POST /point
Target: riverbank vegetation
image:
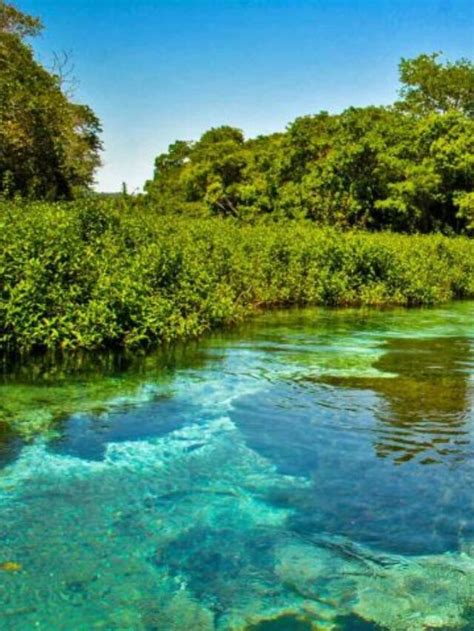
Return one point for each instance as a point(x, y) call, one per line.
point(92, 275)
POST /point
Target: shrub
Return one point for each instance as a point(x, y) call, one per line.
point(95, 274)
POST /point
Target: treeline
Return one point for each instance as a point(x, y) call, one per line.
point(407, 167)
point(96, 275)
point(49, 145)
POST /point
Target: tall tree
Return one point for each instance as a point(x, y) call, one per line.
point(49, 145)
point(408, 167)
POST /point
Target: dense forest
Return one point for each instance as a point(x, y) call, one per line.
point(408, 167)
point(227, 225)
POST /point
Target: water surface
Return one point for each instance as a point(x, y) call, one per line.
point(312, 470)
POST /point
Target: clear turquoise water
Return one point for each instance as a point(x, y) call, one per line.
point(312, 470)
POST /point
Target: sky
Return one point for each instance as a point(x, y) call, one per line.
point(155, 71)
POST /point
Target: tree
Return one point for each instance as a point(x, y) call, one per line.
point(16, 23)
point(430, 86)
point(201, 175)
point(49, 145)
point(407, 167)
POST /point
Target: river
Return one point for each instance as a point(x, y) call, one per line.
point(311, 469)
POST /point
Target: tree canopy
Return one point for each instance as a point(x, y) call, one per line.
point(407, 167)
point(49, 145)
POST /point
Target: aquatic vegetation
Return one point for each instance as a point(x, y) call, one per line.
point(10, 566)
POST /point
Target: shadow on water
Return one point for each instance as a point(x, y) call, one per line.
point(292, 623)
point(425, 406)
point(283, 623)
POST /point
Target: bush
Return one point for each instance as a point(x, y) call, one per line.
point(95, 274)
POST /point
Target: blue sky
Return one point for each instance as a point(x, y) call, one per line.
point(158, 70)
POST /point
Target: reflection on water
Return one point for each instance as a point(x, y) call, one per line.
point(234, 485)
point(81, 400)
point(426, 405)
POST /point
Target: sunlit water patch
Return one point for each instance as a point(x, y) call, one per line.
point(313, 470)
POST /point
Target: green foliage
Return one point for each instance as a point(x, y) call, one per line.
point(49, 146)
point(429, 86)
point(100, 273)
point(407, 167)
point(16, 23)
point(465, 203)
